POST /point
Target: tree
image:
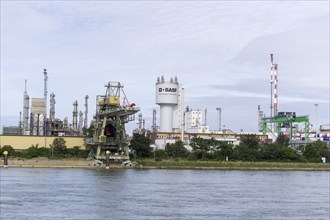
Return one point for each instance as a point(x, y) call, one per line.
point(141, 144)
point(313, 152)
point(176, 150)
point(58, 147)
point(250, 141)
point(249, 148)
point(223, 150)
point(270, 152)
point(200, 147)
point(289, 154)
point(244, 153)
point(282, 141)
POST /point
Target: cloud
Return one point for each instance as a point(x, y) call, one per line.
point(218, 50)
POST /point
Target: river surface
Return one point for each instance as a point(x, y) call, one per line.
point(78, 194)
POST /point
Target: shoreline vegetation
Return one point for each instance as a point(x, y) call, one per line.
point(233, 165)
point(170, 164)
point(250, 154)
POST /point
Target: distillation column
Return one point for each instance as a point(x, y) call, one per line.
point(45, 91)
point(52, 107)
point(26, 107)
point(80, 124)
point(75, 117)
point(86, 112)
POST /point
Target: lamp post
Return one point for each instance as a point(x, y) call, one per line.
point(316, 117)
point(219, 118)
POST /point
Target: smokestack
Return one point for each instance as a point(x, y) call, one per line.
point(275, 89)
point(271, 85)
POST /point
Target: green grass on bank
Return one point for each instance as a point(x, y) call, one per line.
point(231, 164)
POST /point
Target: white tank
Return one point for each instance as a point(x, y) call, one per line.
point(167, 99)
point(167, 93)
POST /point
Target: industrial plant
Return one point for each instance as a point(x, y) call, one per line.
point(181, 123)
point(36, 122)
point(176, 120)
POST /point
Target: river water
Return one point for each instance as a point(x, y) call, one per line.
point(77, 194)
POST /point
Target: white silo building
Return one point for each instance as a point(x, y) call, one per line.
point(170, 98)
point(194, 119)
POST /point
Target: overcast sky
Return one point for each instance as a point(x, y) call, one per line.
point(219, 50)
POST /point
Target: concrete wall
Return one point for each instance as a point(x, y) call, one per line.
point(24, 142)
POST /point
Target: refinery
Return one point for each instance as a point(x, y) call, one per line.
point(177, 121)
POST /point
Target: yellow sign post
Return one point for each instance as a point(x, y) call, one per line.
point(107, 153)
point(5, 158)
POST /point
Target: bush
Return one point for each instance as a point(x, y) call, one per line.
point(35, 151)
point(314, 152)
point(77, 152)
point(10, 149)
point(159, 154)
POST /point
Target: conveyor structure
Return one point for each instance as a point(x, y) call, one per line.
point(113, 111)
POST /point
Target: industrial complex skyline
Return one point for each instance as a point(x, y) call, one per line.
point(219, 50)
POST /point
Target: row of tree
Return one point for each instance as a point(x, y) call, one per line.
point(57, 149)
point(249, 149)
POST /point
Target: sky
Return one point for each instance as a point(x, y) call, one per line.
point(219, 51)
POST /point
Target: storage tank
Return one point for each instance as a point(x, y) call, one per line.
point(167, 99)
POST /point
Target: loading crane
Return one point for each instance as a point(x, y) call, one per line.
point(113, 111)
point(286, 120)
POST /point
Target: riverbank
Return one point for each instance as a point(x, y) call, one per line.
point(234, 165)
point(54, 163)
point(169, 164)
